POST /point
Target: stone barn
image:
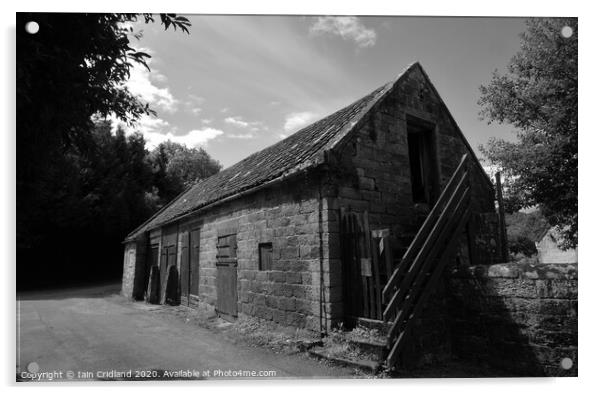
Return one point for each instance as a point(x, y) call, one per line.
point(351, 219)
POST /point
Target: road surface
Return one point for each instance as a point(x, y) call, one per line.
point(93, 334)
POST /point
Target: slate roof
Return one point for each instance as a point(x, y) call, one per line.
point(300, 151)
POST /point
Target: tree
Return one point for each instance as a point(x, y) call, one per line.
point(74, 68)
point(538, 96)
point(177, 167)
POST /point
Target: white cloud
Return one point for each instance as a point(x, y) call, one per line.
point(253, 126)
point(156, 130)
point(241, 136)
point(146, 124)
point(297, 120)
point(236, 121)
point(192, 139)
point(347, 27)
point(141, 84)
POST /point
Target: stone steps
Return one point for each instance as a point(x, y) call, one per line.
point(365, 347)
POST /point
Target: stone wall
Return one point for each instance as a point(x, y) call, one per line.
point(517, 317)
point(134, 260)
point(129, 269)
point(286, 215)
point(371, 172)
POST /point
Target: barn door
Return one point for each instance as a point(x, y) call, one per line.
point(195, 241)
point(185, 269)
point(163, 271)
point(189, 266)
point(364, 271)
point(227, 279)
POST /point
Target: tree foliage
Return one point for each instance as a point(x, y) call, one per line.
point(177, 167)
point(80, 188)
point(538, 96)
point(524, 230)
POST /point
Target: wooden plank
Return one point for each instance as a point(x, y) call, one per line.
point(371, 252)
point(376, 262)
point(403, 336)
point(185, 266)
point(357, 256)
point(421, 277)
point(367, 254)
point(388, 258)
point(423, 232)
point(426, 247)
point(195, 242)
point(502, 217)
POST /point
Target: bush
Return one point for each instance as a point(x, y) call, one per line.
point(522, 245)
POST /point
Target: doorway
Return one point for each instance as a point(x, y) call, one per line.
point(189, 266)
point(424, 169)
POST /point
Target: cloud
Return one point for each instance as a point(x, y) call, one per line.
point(297, 120)
point(194, 102)
point(253, 126)
point(236, 121)
point(156, 130)
point(192, 139)
point(347, 27)
point(241, 136)
point(141, 84)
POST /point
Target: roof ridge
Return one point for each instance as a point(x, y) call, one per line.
point(301, 150)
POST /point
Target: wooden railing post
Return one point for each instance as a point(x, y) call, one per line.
point(435, 243)
point(501, 218)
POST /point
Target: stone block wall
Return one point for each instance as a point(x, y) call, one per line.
point(134, 260)
point(286, 215)
point(129, 269)
point(516, 317)
point(371, 172)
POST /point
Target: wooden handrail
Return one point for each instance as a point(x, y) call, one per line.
point(402, 338)
point(424, 229)
point(429, 247)
point(424, 269)
point(422, 264)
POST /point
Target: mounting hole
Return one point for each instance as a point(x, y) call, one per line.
point(566, 31)
point(32, 27)
point(566, 363)
point(33, 367)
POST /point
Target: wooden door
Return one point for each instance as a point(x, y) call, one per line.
point(163, 271)
point(363, 269)
point(195, 241)
point(185, 269)
point(168, 258)
point(152, 260)
point(227, 277)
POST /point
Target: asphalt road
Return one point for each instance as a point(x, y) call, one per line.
point(94, 334)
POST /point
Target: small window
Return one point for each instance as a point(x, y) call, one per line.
point(265, 256)
point(226, 248)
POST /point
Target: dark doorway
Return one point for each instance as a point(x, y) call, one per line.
point(168, 258)
point(152, 260)
point(423, 162)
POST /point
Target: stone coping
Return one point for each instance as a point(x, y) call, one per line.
point(518, 270)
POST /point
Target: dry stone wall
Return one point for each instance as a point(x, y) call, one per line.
point(518, 317)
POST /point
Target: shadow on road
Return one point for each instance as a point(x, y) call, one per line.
point(76, 291)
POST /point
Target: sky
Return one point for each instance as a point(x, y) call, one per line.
point(238, 84)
